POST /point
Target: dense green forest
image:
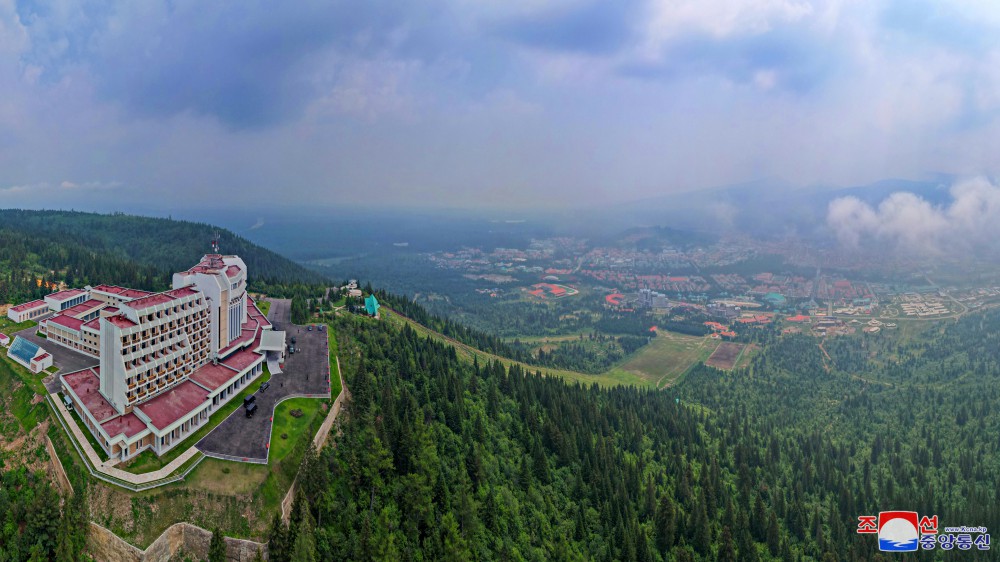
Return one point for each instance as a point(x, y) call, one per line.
point(168, 245)
point(443, 460)
point(33, 525)
point(133, 251)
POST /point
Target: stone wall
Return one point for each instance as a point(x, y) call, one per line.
point(57, 468)
point(189, 539)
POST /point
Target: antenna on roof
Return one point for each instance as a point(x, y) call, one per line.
point(215, 242)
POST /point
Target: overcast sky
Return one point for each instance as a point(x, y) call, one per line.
point(462, 102)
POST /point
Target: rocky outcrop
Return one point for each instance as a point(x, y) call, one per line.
point(189, 539)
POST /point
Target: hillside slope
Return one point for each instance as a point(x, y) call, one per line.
point(83, 248)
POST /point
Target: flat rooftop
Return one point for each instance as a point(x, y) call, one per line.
point(170, 406)
point(242, 359)
point(28, 306)
point(129, 424)
point(212, 376)
point(66, 322)
point(151, 300)
point(66, 295)
point(122, 291)
point(86, 384)
point(84, 307)
point(121, 321)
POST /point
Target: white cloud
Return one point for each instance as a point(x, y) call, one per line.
point(911, 223)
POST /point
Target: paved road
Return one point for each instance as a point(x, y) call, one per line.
point(306, 372)
point(67, 360)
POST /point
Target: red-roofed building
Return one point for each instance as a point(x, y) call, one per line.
point(28, 311)
point(167, 360)
point(69, 298)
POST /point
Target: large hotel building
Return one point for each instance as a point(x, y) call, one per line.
point(167, 360)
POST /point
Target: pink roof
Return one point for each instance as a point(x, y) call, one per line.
point(84, 307)
point(93, 324)
point(112, 309)
point(121, 321)
point(28, 306)
point(4, 337)
point(129, 424)
point(212, 376)
point(232, 270)
point(182, 292)
point(86, 385)
point(65, 295)
point(151, 300)
point(67, 321)
point(122, 291)
point(242, 359)
point(250, 328)
point(40, 357)
point(174, 404)
point(108, 289)
point(256, 314)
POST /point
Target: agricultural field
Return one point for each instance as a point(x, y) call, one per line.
point(725, 356)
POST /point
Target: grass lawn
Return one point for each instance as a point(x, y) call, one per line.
point(148, 463)
point(263, 306)
point(31, 380)
point(8, 326)
point(666, 358)
point(90, 436)
point(287, 424)
point(331, 337)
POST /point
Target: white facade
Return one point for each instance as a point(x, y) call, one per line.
point(222, 279)
point(167, 360)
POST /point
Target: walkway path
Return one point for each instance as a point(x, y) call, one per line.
point(107, 467)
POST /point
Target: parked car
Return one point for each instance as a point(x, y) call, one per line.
point(310, 328)
point(248, 400)
point(265, 386)
point(251, 410)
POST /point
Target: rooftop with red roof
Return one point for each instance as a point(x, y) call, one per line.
point(242, 359)
point(95, 324)
point(172, 405)
point(86, 385)
point(66, 322)
point(182, 292)
point(212, 376)
point(233, 270)
point(28, 306)
point(129, 424)
point(41, 357)
point(121, 322)
point(151, 300)
point(65, 295)
point(248, 333)
point(123, 292)
point(84, 307)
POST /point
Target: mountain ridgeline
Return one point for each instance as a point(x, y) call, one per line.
point(140, 252)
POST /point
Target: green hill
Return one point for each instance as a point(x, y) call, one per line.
point(141, 252)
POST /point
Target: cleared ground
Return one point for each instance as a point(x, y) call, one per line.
point(666, 358)
point(725, 356)
point(658, 364)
